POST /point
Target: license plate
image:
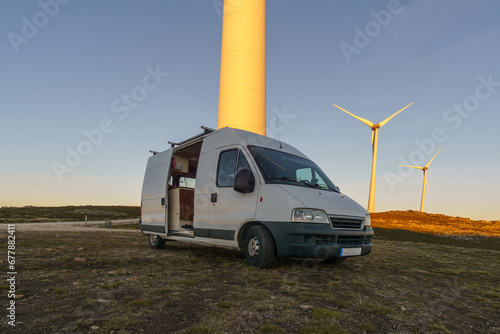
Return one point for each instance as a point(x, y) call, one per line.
point(350, 251)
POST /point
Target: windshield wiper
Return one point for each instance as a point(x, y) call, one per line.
point(336, 190)
point(283, 178)
point(315, 186)
point(286, 178)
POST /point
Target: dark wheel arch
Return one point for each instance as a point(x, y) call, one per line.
point(244, 229)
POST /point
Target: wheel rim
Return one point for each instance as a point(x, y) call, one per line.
point(253, 246)
point(153, 239)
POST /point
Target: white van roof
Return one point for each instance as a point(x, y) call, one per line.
point(231, 136)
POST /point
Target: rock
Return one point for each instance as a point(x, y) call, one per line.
point(94, 327)
point(102, 301)
point(80, 259)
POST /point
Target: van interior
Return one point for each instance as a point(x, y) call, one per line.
point(181, 189)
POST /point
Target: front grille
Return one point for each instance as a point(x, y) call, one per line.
point(349, 240)
point(346, 223)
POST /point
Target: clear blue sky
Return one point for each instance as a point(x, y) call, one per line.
point(67, 67)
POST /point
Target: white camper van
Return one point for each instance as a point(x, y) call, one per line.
point(236, 188)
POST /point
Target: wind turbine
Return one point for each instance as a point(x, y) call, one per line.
point(424, 169)
point(374, 127)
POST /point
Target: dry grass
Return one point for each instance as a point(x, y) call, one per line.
point(126, 287)
point(67, 213)
point(435, 223)
point(102, 282)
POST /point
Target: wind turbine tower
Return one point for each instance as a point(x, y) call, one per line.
point(424, 169)
point(374, 127)
point(242, 90)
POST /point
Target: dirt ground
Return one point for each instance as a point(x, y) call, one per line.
point(109, 281)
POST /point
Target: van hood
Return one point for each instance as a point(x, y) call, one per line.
point(331, 202)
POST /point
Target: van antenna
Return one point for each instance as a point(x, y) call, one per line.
point(278, 127)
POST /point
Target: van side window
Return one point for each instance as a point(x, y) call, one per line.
point(226, 168)
point(230, 163)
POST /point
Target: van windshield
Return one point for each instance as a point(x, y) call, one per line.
point(281, 167)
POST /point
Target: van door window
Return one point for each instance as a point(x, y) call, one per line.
point(226, 168)
point(242, 162)
point(230, 162)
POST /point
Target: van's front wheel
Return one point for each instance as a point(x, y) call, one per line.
point(259, 247)
point(156, 242)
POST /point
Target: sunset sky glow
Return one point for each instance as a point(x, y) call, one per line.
point(88, 88)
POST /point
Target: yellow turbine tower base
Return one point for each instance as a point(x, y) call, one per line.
point(242, 91)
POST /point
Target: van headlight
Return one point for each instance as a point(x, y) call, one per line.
point(309, 216)
point(368, 221)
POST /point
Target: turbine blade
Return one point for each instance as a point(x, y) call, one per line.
point(433, 157)
point(427, 183)
point(373, 136)
point(384, 122)
point(367, 122)
point(417, 167)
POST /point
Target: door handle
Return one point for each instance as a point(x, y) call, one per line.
point(213, 197)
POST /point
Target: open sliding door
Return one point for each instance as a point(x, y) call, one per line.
point(154, 193)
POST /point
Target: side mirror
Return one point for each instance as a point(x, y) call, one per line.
point(244, 181)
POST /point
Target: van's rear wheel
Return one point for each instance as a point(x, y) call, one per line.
point(156, 242)
point(259, 247)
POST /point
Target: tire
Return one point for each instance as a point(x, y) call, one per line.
point(259, 247)
point(335, 261)
point(156, 242)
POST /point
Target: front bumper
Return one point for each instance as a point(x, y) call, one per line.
point(320, 241)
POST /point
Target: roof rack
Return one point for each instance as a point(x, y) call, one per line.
point(206, 131)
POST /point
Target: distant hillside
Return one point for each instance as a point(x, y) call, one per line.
point(434, 223)
point(402, 220)
point(67, 213)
